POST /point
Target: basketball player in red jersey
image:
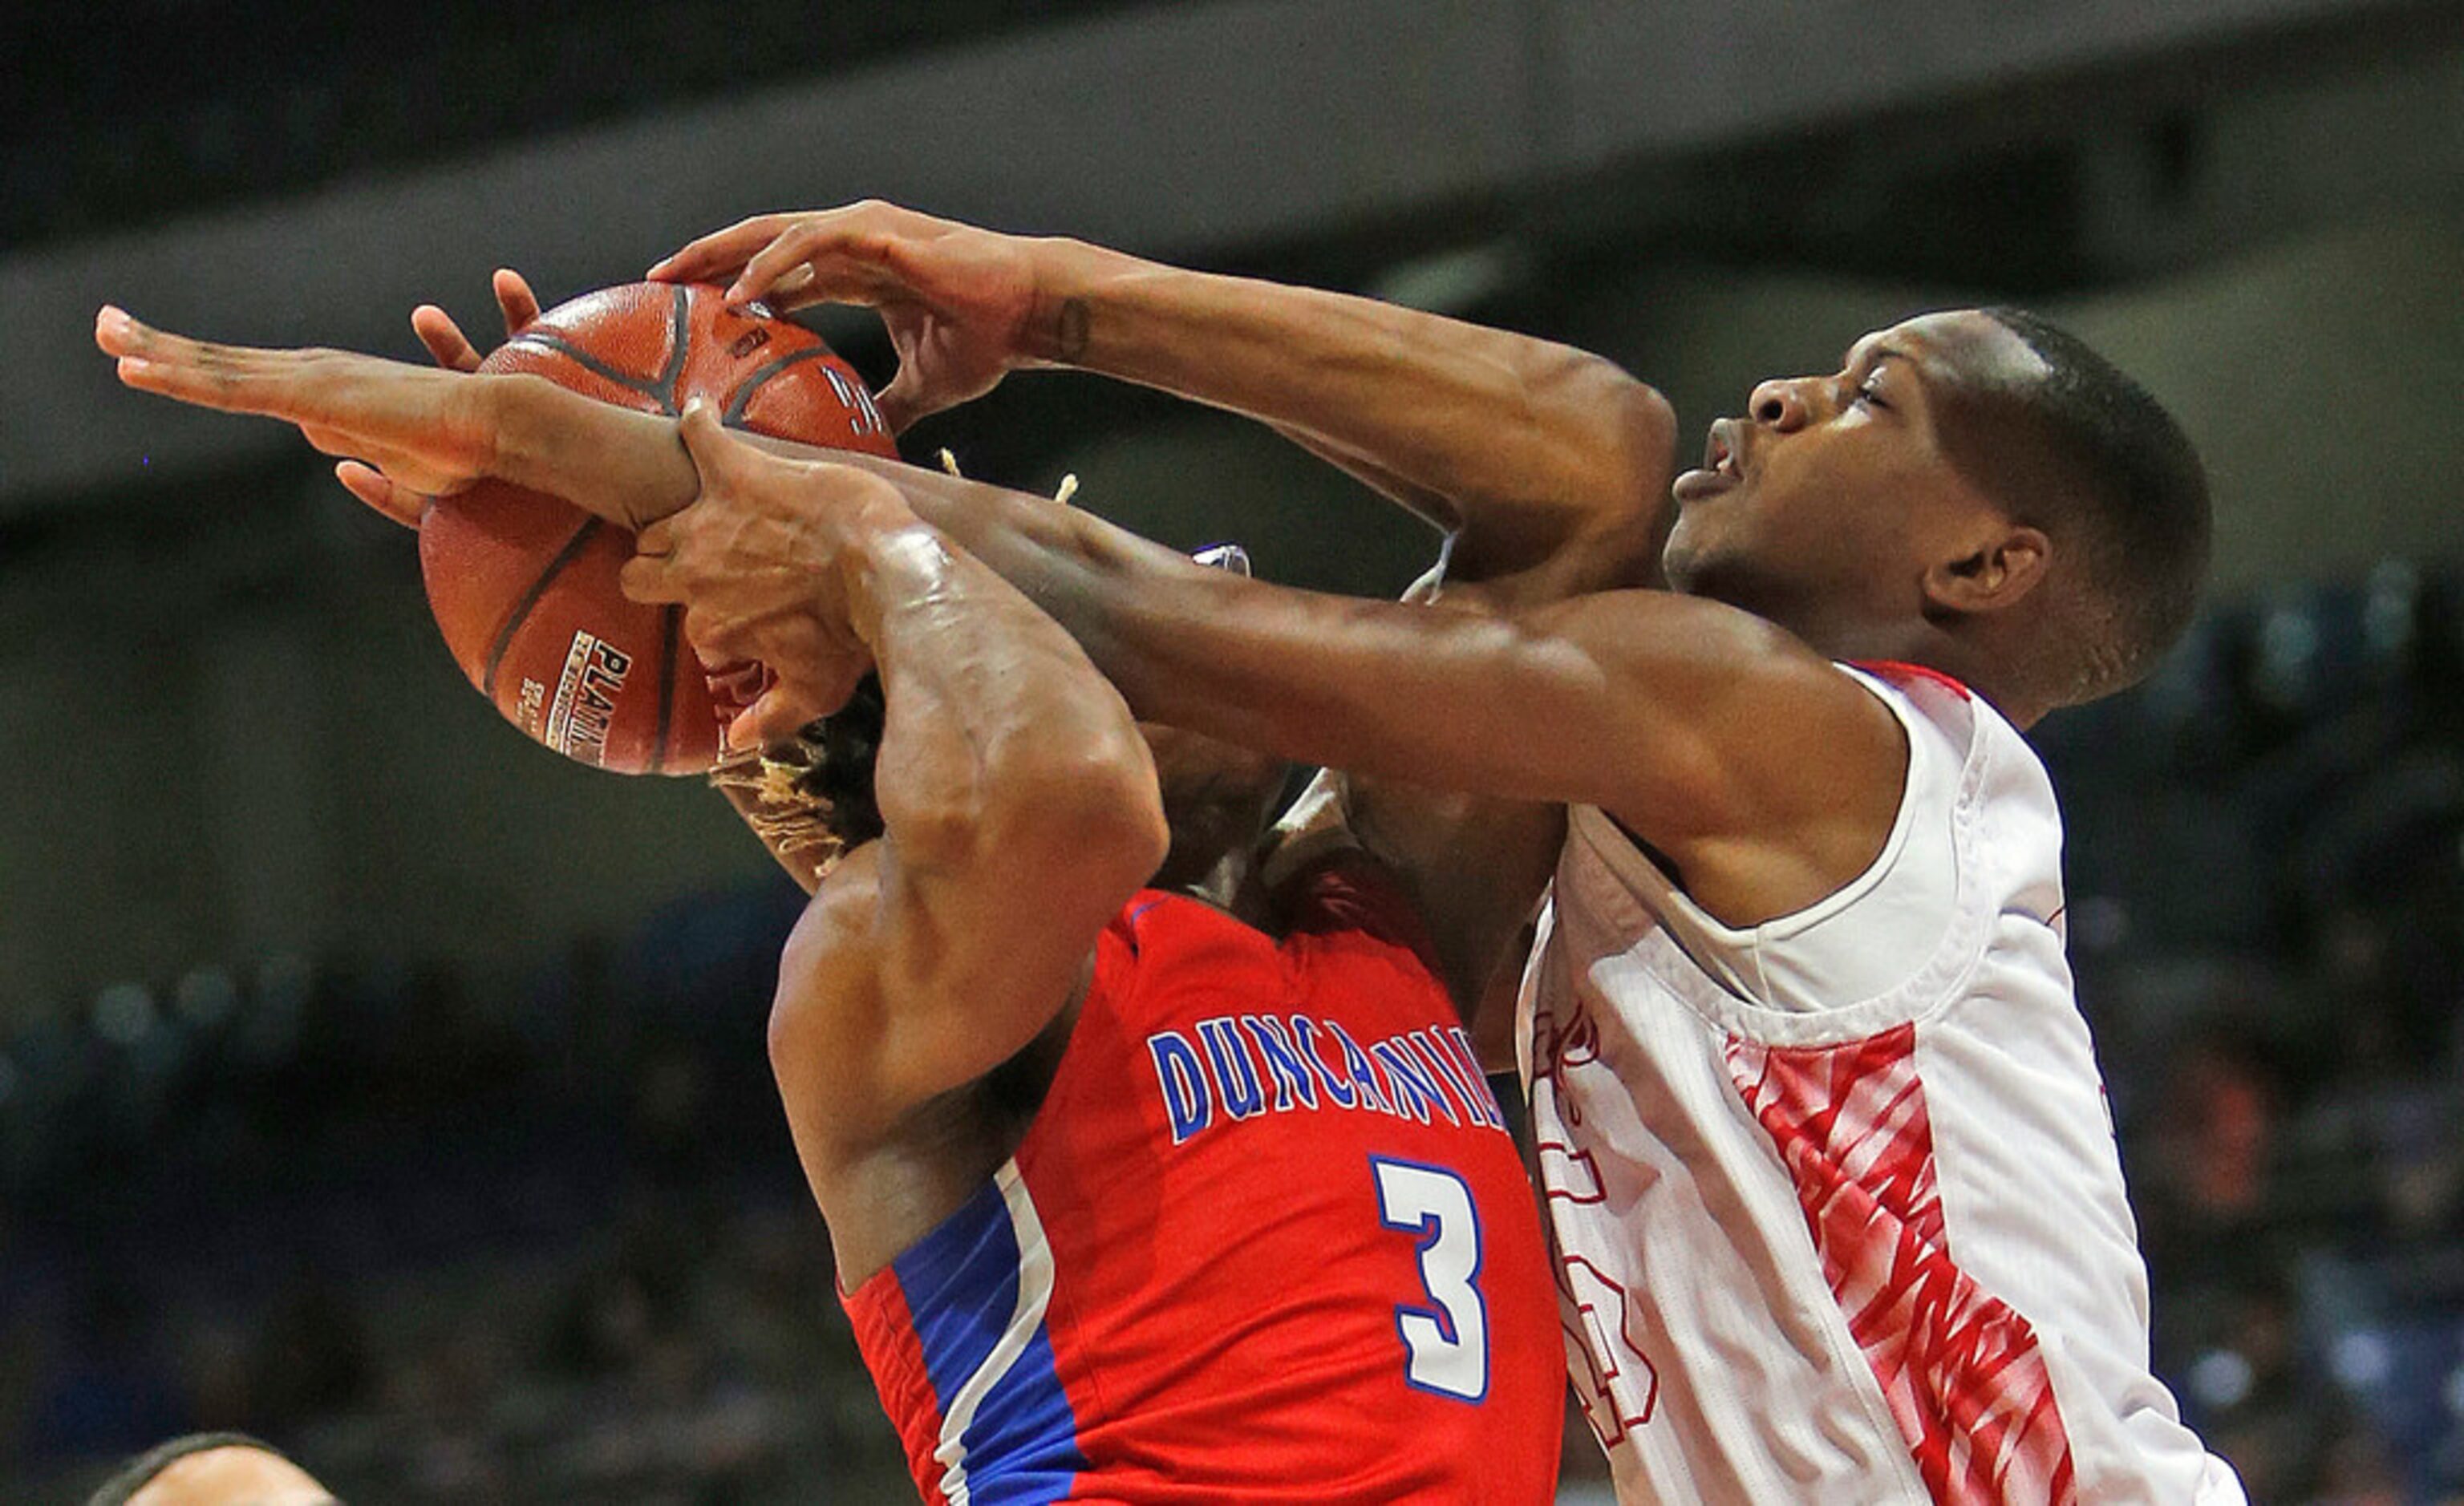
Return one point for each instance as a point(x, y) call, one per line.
point(1075, 1138)
point(1079, 1093)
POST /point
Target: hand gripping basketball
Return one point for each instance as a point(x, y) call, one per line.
point(956, 301)
point(525, 584)
point(759, 563)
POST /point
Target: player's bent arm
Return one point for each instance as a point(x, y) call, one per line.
point(1021, 812)
point(1512, 441)
point(1503, 437)
point(1407, 692)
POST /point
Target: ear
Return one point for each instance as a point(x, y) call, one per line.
point(2005, 565)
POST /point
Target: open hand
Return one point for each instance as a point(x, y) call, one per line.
point(957, 301)
point(431, 431)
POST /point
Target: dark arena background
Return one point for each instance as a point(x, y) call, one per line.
point(375, 1082)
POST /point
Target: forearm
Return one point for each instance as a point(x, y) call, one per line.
point(1020, 812)
point(1515, 441)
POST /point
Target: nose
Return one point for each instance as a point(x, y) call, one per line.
point(1779, 405)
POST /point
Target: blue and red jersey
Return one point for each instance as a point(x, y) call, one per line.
point(1267, 1239)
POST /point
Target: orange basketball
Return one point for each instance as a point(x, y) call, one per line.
point(523, 586)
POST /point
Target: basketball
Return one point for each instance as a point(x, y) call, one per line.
point(523, 586)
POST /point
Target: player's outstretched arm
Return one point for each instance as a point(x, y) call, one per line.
point(1515, 444)
point(1700, 726)
point(1693, 723)
point(1018, 801)
point(425, 431)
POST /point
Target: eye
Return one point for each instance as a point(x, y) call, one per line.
point(1871, 396)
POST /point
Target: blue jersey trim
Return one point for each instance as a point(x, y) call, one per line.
point(963, 1284)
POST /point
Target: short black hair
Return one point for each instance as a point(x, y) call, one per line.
point(2128, 489)
point(142, 1471)
point(842, 749)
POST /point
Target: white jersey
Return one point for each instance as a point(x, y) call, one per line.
point(1837, 1210)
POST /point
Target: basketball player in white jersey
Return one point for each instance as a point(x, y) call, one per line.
point(1837, 1205)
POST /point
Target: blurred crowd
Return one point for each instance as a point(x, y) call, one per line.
point(2266, 878)
point(445, 1242)
point(449, 1239)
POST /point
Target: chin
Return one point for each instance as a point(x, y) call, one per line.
point(1681, 565)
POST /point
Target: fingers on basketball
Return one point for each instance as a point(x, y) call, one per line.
point(381, 492)
point(514, 300)
point(720, 251)
point(447, 345)
point(646, 579)
point(716, 453)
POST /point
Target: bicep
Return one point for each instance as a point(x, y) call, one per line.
point(1680, 716)
point(904, 981)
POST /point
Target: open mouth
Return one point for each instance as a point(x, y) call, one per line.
point(1720, 470)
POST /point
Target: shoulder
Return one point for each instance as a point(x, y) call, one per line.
point(1996, 765)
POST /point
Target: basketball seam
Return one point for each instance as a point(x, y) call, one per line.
point(742, 399)
point(679, 336)
point(649, 388)
point(531, 599)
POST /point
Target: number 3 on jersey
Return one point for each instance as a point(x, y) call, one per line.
point(1446, 1349)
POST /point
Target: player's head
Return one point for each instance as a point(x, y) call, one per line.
point(816, 788)
point(212, 1469)
point(1216, 798)
point(1975, 487)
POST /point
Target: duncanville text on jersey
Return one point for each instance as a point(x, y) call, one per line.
point(1242, 1066)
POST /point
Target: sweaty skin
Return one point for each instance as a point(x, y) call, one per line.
point(1020, 812)
point(1837, 519)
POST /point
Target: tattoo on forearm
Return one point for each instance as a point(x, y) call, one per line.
point(1070, 330)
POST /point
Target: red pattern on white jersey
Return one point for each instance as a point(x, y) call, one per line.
point(1962, 1372)
point(1838, 1214)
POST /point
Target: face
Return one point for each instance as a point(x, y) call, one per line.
point(1823, 506)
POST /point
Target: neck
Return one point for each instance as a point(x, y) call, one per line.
point(1979, 669)
point(1225, 877)
point(1931, 644)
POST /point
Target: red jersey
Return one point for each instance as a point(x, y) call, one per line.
point(1267, 1239)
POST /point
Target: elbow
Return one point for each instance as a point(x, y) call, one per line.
point(1632, 429)
point(1641, 452)
point(1635, 463)
point(1650, 427)
point(1093, 813)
